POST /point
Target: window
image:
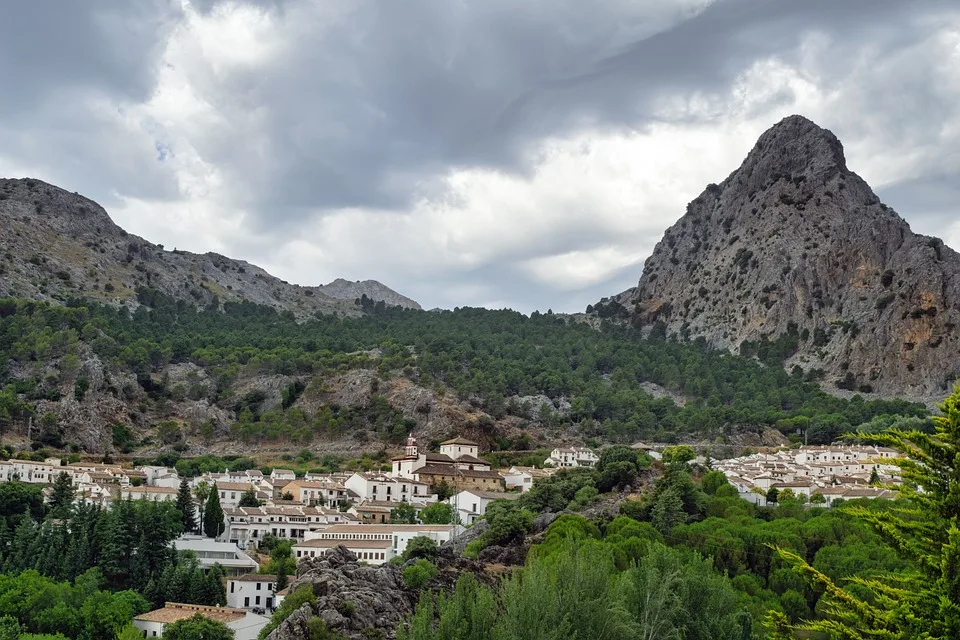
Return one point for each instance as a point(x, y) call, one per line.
point(258, 600)
point(246, 602)
point(232, 585)
point(258, 588)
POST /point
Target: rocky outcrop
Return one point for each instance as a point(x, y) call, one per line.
point(359, 601)
point(345, 290)
point(795, 246)
point(55, 245)
point(354, 600)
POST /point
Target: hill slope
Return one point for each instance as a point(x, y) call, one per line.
point(55, 245)
point(795, 248)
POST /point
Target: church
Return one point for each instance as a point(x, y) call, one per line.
point(457, 466)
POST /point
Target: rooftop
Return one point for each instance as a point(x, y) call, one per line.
point(175, 611)
point(461, 441)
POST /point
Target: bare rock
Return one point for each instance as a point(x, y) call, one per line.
point(795, 243)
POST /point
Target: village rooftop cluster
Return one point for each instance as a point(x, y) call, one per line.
point(320, 512)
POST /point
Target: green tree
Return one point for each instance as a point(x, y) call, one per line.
point(713, 480)
point(924, 603)
point(282, 579)
point(678, 454)
point(249, 499)
point(403, 513)
point(213, 524)
point(61, 494)
point(437, 513)
point(875, 478)
point(667, 511)
point(417, 575)
point(197, 628)
point(186, 506)
point(420, 547)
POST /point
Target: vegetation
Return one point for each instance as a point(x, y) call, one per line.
point(197, 628)
point(921, 599)
point(492, 357)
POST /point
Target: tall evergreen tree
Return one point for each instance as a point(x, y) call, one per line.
point(186, 507)
point(920, 604)
point(213, 524)
point(61, 496)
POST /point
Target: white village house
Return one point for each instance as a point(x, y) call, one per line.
point(571, 457)
point(471, 505)
point(253, 590)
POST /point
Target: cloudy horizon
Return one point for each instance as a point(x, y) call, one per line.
point(464, 153)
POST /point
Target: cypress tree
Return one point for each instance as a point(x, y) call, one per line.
point(213, 524)
point(186, 507)
point(61, 497)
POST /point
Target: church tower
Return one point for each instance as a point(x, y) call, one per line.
point(411, 451)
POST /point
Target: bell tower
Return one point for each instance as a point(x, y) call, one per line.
point(411, 449)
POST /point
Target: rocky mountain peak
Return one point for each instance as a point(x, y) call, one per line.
point(794, 248)
point(56, 245)
point(792, 148)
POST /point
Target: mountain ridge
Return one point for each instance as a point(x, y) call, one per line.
point(794, 248)
point(56, 244)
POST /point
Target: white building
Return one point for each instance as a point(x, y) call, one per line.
point(458, 453)
point(248, 525)
point(326, 492)
point(34, 472)
point(565, 457)
point(282, 476)
point(373, 543)
point(523, 477)
point(157, 494)
point(379, 486)
point(245, 625)
point(253, 590)
point(232, 492)
point(472, 504)
point(210, 552)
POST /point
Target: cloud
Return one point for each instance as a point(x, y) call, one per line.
point(467, 153)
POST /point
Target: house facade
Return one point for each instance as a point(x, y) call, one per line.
point(252, 591)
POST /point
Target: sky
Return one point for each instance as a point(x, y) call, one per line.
point(463, 152)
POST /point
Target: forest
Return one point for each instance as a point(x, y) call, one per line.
point(492, 359)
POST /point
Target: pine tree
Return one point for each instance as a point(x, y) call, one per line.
point(249, 499)
point(924, 603)
point(61, 497)
point(186, 507)
point(213, 524)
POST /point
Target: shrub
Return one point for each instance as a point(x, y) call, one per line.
point(417, 575)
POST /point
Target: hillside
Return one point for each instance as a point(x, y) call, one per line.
point(55, 245)
point(794, 259)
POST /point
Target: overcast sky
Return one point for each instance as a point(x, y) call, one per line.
point(464, 152)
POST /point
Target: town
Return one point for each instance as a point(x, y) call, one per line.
point(376, 515)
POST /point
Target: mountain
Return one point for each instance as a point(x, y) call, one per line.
point(55, 245)
point(793, 258)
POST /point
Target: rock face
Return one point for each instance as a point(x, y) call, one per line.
point(55, 244)
point(793, 245)
point(357, 601)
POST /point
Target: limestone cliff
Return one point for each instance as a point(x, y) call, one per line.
point(794, 245)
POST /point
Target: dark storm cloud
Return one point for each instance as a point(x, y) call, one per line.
point(48, 47)
point(363, 112)
point(358, 105)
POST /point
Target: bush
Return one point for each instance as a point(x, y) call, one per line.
point(417, 575)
